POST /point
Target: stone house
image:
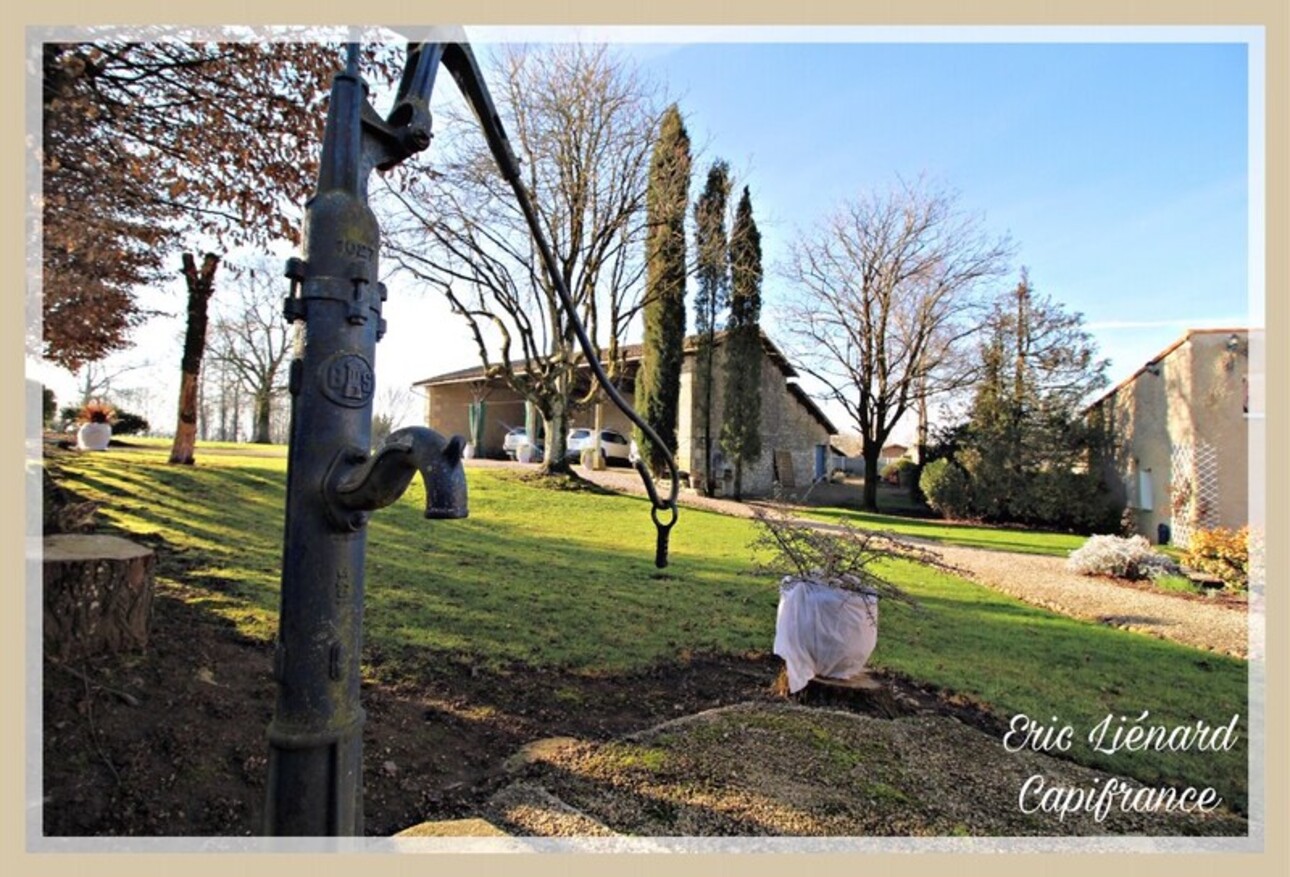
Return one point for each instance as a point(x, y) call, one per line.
point(795, 432)
point(1179, 430)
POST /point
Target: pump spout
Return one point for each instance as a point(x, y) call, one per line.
point(384, 476)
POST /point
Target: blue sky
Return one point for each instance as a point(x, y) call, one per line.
point(1120, 169)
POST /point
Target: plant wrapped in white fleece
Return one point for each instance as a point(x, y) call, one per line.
point(824, 631)
point(827, 623)
point(1123, 557)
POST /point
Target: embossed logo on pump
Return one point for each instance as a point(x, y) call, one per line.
point(347, 379)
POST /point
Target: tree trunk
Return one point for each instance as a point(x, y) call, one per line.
point(707, 483)
point(204, 417)
point(916, 492)
point(557, 439)
point(871, 452)
point(223, 410)
point(200, 286)
point(263, 409)
point(739, 480)
point(598, 421)
point(235, 430)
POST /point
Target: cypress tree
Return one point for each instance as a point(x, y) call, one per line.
point(658, 384)
point(741, 429)
point(711, 298)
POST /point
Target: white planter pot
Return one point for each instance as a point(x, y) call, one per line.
point(469, 452)
point(524, 453)
point(94, 436)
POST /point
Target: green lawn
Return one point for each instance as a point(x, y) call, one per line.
point(971, 535)
point(565, 578)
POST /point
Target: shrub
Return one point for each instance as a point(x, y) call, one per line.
point(48, 406)
point(1122, 557)
point(900, 473)
point(947, 488)
point(1221, 552)
point(1071, 501)
point(128, 423)
point(1178, 584)
point(69, 414)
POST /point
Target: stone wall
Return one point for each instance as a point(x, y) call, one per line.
point(786, 425)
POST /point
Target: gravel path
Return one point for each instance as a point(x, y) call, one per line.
point(1042, 580)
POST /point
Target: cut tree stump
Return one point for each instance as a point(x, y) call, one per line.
point(862, 681)
point(98, 594)
point(861, 692)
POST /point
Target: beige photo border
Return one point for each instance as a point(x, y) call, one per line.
point(1271, 15)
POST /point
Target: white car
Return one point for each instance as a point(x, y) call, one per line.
point(516, 437)
point(614, 446)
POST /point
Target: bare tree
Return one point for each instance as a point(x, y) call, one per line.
point(889, 287)
point(253, 342)
point(201, 286)
point(392, 407)
point(97, 380)
point(221, 402)
point(582, 122)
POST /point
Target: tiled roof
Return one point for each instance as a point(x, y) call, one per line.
point(631, 353)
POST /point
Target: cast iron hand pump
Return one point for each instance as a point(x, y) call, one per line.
point(333, 484)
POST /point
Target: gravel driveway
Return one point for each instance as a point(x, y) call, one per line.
point(1042, 580)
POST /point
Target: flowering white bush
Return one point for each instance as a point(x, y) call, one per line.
point(1125, 558)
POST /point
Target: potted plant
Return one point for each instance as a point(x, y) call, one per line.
point(96, 427)
point(827, 621)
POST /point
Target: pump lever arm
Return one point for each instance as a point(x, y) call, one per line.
point(461, 63)
point(448, 46)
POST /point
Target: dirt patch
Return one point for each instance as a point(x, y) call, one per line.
point(783, 769)
point(171, 741)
